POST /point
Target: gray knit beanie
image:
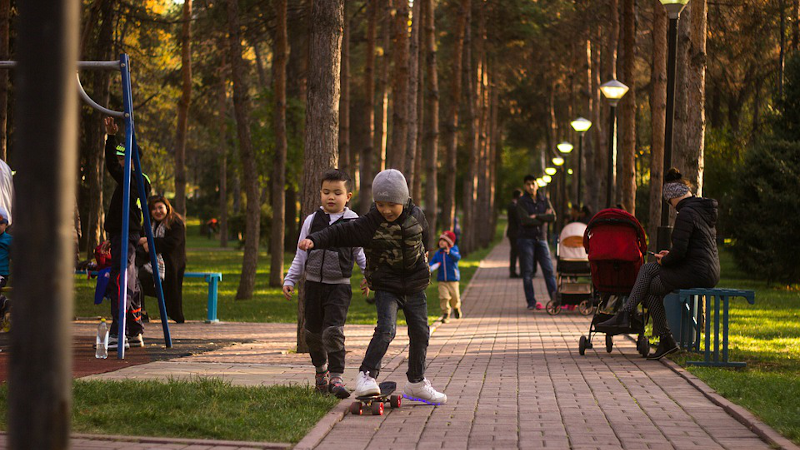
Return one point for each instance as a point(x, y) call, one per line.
point(390, 186)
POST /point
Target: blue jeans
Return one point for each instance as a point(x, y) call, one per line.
point(532, 251)
point(415, 308)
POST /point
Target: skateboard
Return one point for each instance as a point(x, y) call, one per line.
point(374, 403)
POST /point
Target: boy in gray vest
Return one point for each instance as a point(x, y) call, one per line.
point(394, 233)
point(327, 285)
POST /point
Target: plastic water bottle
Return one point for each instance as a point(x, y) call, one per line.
point(101, 351)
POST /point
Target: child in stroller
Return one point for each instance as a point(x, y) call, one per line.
point(616, 245)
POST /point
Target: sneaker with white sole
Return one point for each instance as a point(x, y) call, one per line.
point(136, 341)
point(424, 392)
point(113, 341)
point(366, 385)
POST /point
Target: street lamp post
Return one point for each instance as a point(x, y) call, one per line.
point(580, 125)
point(674, 8)
point(564, 147)
point(613, 91)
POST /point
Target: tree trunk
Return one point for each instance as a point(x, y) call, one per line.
point(322, 110)
point(223, 161)
point(481, 209)
point(367, 152)
point(658, 113)
point(468, 186)
point(692, 160)
point(344, 99)
point(628, 176)
point(279, 167)
point(611, 71)
point(599, 135)
point(183, 108)
point(451, 131)
point(241, 107)
point(431, 143)
point(495, 151)
point(588, 143)
point(380, 138)
point(262, 72)
point(795, 25)
point(5, 24)
point(400, 79)
point(413, 90)
point(680, 128)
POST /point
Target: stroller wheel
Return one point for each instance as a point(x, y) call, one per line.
point(582, 345)
point(553, 308)
point(586, 307)
point(609, 343)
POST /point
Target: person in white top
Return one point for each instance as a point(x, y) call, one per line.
point(6, 190)
point(327, 285)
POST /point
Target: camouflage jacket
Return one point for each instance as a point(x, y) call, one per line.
point(395, 251)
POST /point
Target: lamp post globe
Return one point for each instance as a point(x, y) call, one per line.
point(558, 160)
point(547, 178)
point(564, 147)
point(580, 125)
point(550, 170)
point(674, 7)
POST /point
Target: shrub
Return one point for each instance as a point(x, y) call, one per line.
point(766, 206)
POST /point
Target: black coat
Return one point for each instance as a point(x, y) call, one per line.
point(513, 220)
point(693, 261)
point(172, 248)
point(113, 222)
point(395, 251)
point(533, 228)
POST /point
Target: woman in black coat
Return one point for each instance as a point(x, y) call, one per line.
point(169, 233)
point(691, 262)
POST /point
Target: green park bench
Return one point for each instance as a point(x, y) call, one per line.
point(683, 315)
point(212, 278)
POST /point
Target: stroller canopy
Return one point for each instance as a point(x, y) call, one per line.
point(570, 242)
point(614, 234)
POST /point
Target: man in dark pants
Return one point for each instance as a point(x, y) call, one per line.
point(511, 233)
point(534, 211)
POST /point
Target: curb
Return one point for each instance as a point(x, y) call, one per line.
point(323, 427)
point(739, 413)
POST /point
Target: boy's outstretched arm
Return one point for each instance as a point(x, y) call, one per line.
point(353, 233)
point(298, 263)
point(454, 254)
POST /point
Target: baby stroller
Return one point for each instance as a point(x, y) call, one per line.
point(572, 266)
point(616, 244)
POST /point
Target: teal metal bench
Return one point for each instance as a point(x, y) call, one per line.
point(212, 278)
point(683, 308)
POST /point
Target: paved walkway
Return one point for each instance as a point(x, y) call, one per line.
point(513, 377)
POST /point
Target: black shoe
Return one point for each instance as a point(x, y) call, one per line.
point(513, 275)
point(457, 313)
point(622, 319)
point(665, 347)
point(445, 317)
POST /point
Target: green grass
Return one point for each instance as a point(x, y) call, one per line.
point(268, 303)
point(266, 414)
point(766, 336)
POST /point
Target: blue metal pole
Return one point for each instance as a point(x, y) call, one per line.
point(126, 205)
point(130, 131)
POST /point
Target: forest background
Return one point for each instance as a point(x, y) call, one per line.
point(464, 96)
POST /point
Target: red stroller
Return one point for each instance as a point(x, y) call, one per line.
point(616, 244)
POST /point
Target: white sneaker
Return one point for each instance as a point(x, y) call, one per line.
point(424, 392)
point(113, 342)
point(366, 385)
point(136, 341)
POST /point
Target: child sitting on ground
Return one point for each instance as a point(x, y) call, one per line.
point(327, 285)
point(446, 260)
point(393, 234)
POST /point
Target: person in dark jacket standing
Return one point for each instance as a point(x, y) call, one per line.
point(511, 233)
point(169, 237)
point(691, 262)
point(115, 164)
point(534, 212)
point(393, 235)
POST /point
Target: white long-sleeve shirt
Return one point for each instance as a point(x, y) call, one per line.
point(299, 261)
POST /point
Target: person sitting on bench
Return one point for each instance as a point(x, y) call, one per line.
point(691, 262)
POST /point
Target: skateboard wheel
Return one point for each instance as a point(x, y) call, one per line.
point(377, 408)
point(395, 401)
point(355, 408)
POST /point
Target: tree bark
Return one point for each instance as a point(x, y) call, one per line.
point(468, 186)
point(380, 139)
point(692, 159)
point(413, 94)
point(368, 151)
point(223, 160)
point(627, 178)
point(344, 99)
point(658, 112)
point(5, 25)
point(588, 143)
point(279, 167)
point(322, 110)
point(599, 133)
point(241, 107)
point(451, 130)
point(431, 143)
point(183, 108)
point(610, 61)
point(400, 78)
point(795, 25)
